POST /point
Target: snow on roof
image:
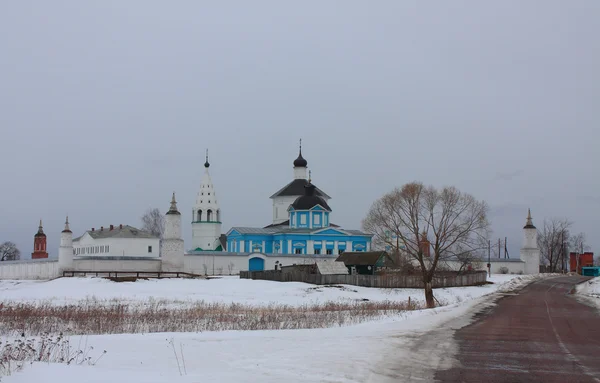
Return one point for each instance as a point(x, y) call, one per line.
point(332, 268)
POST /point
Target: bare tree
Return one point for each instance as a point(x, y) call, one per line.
point(230, 267)
point(552, 240)
point(153, 222)
point(578, 243)
point(9, 252)
point(456, 223)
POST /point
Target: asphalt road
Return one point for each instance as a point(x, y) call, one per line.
point(542, 334)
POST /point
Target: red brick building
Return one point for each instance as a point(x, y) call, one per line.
point(577, 261)
point(39, 244)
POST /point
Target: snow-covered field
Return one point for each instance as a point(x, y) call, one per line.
point(358, 353)
point(225, 290)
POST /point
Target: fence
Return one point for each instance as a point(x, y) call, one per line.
point(130, 274)
point(382, 281)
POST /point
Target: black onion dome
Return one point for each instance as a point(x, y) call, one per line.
point(206, 164)
point(300, 162)
point(309, 199)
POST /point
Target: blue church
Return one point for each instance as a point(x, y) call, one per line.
point(301, 223)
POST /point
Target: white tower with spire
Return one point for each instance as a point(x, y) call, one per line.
point(65, 251)
point(171, 247)
point(206, 221)
point(530, 253)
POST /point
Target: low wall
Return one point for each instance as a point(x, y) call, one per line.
point(216, 263)
point(116, 264)
point(381, 281)
point(514, 266)
point(29, 269)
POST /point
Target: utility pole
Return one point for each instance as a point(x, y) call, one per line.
point(489, 265)
point(505, 248)
point(499, 245)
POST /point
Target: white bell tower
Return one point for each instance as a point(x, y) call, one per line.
point(530, 253)
point(206, 221)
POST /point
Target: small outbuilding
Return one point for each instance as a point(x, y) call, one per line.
point(366, 262)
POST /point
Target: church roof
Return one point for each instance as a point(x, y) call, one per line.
point(365, 258)
point(281, 229)
point(296, 188)
point(286, 224)
point(118, 232)
point(310, 199)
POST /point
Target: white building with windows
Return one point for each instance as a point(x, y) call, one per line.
point(116, 241)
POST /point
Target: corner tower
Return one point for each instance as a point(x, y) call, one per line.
point(530, 253)
point(39, 244)
point(65, 251)
point(171, 247)
point(206, 221)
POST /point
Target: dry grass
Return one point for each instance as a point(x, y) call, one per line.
point(115, 317)
point(14, 354)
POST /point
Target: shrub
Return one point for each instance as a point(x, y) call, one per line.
point(503, 270)
point(51, 349)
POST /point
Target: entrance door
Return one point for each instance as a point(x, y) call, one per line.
point(256, 264)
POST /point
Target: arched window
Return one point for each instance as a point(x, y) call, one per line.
point(199, 215)
point(209, 215)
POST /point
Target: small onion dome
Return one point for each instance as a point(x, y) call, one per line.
point(309, 200)
point(300, 162)
point(206, 164)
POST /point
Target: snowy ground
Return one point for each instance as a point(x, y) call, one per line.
point(225, 290)
point(359, 353)
point(590, 291)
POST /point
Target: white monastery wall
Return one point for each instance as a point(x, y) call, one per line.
point(513, 267)
point(221, 264)
point(115, 264)
point(29, 269)
point(215, 264)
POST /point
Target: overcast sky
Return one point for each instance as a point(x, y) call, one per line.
point(106, 108)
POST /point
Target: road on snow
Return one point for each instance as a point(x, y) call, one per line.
point(541, 334)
